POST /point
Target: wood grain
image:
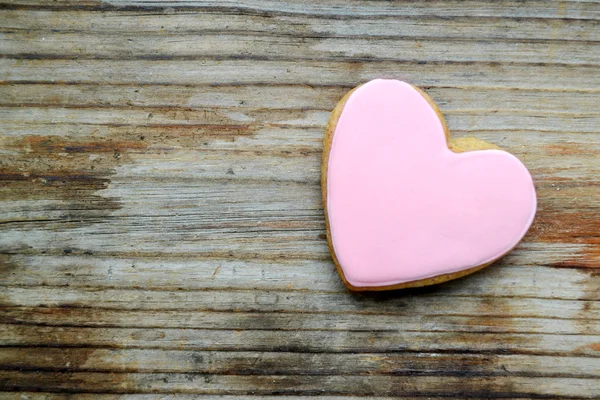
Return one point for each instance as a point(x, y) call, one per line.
point(162, 230)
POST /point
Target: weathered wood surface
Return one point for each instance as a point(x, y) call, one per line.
point(162, 230)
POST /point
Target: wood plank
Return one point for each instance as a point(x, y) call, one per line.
point(252, 72)
point(103, 396)
point(455, 321)
point(475, 305)
point(44, 45)
point(427, 24)
point(293, 97)
point(572, 9)
point(300, 341)
point(253, 119)
point(19, 395)
point(74, 274)
point(293, 385)
point(278, 363)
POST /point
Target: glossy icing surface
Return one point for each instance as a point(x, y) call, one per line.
point(402, 206)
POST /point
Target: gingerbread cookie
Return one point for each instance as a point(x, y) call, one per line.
point(406, 205)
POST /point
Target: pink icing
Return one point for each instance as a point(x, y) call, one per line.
point(402, 206)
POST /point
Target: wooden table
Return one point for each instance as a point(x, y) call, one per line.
point(162, 229)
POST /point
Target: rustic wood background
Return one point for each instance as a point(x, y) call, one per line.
point(162, 230)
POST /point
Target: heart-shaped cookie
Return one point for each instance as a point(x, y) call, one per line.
point(407, 206)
